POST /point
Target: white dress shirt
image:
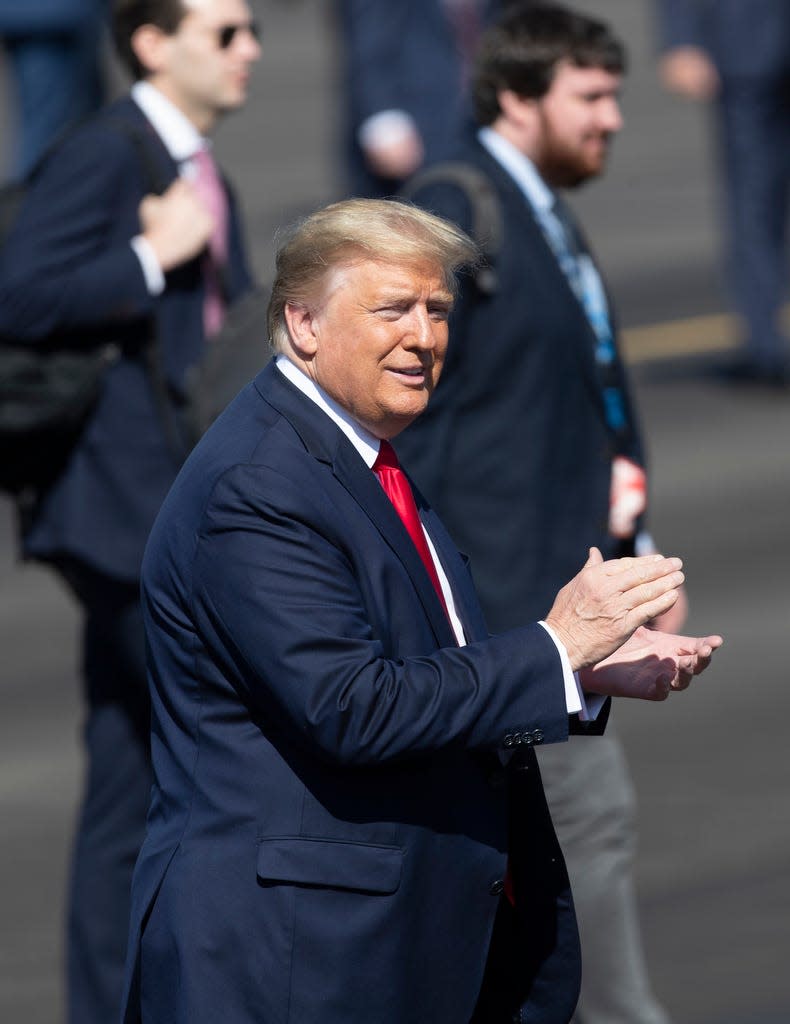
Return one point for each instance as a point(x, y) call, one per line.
point(182, 140)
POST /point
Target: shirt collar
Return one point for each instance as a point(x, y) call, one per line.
point(181, 138)
point(520, 168)
point(365, 443)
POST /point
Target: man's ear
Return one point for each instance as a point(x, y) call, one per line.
point(302, 329)
point(518, 110)
point(149, 45)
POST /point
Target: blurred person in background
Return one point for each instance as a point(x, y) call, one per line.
point(736, 53)
point(530, 449)
point(92, 257)
point(52, 52)
point(405, 72)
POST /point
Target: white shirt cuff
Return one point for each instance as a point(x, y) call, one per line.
point(644, 544)
point(385, 128)
point(152, 272)
point(587, 708)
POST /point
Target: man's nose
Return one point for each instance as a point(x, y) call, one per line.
point(421, 333)
point(248, 45)
point(611, 117)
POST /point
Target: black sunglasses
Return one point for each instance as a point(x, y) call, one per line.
point(227, 33)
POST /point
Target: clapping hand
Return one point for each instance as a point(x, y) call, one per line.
point(650, 665)
point(600, 608)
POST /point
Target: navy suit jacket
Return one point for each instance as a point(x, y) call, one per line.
point(323, 835)
point(745, 38)
point(68, 272)
point(403, 56)
point(50, 16)
point(514, 450)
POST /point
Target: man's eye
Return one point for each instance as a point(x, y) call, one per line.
point(439, 313)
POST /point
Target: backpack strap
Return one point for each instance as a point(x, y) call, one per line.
point(487, 222)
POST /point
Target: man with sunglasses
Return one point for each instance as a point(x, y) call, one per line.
point(96, 257)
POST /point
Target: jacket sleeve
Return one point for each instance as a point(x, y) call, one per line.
point(308, 624)
point(68, 263)
point(374, 35)
point(680, 23)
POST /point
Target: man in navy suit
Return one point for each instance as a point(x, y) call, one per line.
point(405, 69)
point(336, 738)
point(530, 449)
point(737, 52)
point(94, 259)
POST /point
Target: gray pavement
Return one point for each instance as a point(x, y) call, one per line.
point(712, 778)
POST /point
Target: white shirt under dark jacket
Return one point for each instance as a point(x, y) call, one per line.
point(182, 140)
point(368, 447)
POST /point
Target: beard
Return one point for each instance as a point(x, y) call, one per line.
point(564, 164)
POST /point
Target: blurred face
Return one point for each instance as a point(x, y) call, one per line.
point(576, 121)
point(376, 341)
point(204, 66)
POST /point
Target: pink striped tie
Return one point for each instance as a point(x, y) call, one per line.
point(211, 191)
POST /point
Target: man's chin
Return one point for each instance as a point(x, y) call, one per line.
point(400, 421)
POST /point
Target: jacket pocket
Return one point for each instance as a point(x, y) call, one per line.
point(329, 863)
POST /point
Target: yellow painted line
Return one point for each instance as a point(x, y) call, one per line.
point(693, 336)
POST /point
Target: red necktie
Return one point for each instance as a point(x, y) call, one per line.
point(211, 191)
point(396, 487)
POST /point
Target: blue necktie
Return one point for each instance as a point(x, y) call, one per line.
point(585, 281)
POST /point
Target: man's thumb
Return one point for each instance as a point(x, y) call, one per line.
point(594, 558)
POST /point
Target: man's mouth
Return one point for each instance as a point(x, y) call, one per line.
point(413, 372)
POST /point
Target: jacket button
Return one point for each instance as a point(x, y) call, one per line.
point(497, 888)
point(537, 736)
point(510, 740)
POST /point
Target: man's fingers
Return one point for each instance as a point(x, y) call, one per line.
point(644, 593)
point(628, 572)
point(643, 611)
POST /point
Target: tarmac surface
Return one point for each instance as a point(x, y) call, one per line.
point(709, 767)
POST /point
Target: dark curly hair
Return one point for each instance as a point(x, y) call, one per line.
point(521, 52)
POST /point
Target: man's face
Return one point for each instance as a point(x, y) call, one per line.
point(380, 339)
point(203, 77)
point(578, 117)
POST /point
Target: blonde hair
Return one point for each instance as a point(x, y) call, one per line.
point(388, 231)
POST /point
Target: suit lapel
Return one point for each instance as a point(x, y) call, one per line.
point(363, 486)
point(582, 337)
point(328, 444)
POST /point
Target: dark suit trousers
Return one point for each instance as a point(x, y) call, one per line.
point(526, 978)
point(754, 116)
point(115, 799)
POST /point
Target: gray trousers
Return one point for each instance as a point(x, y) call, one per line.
point(593, 806)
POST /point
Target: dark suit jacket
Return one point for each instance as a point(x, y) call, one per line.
point(323, 838)
point(514, 450)
point(745, 38)
point(68, 271)
point(51, 16)
point(402, 56)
